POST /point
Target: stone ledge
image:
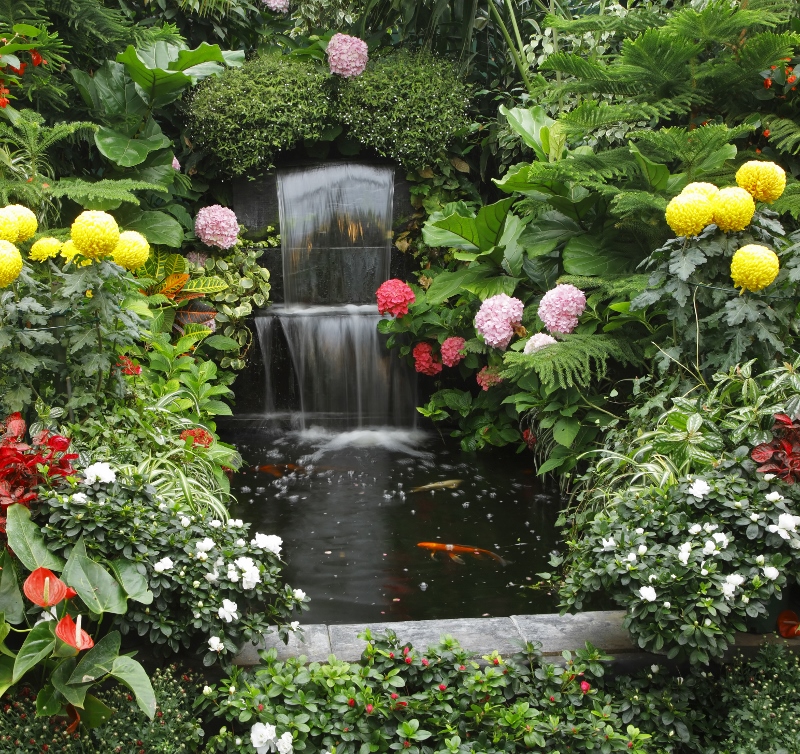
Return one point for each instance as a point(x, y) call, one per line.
point(480, 636)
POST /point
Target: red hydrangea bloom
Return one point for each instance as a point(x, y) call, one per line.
point(488, 377)
point(200, 436)
point(424, 360)
point(451, 351)
point(394, 296)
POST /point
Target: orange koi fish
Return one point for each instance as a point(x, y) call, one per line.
point(454, 550)
point(277, 469)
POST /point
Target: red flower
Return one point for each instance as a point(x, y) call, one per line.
point(442, 687)
point(425, 662)
point(391, 655)
point(368, 708)
point(792, 79)
point(408, 660)
point(44, 588)
point(70, 593)
point(19, 71)
point(393, 696)
point(394, 296)
point(36, 58)
point(552, 698)
point(462, 667)
point(529, 438)
point(128, 366)
point(765, 133)
point(71, 633)
point(424, 360)
point(351, 702)
point(585, 687)
point(200, 436)
point(767, 83)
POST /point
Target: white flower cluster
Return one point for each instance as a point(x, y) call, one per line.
point(264, 738)
point(99, 472)
point(269, 542)
point(786, 528)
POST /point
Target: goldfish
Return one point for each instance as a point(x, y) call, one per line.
point(277, 469)
point(447, 484)
point(453, 550)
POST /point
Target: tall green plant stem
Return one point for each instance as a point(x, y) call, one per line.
point(510, 43)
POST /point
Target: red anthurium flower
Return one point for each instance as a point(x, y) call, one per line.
point(44, 588)
point(71, 633)
point(70, 593)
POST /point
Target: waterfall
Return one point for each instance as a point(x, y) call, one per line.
point(335, 224)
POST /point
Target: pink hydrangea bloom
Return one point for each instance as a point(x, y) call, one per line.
point(277, 6)
point(451, 351)
point(347, 55)
point(217, 226)
point(497, 318)
point(538, 341)
point(197, 257)
point(488, 377)
point(394, 296)
point(560, 308)
point(424, 360)
point(175, 164)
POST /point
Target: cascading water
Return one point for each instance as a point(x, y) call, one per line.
point(336, 242)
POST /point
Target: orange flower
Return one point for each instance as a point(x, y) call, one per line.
point(767, 83)
point(766, 133)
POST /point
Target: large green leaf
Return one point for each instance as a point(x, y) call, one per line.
point(529, 124)
point(74, 694)
point(463, 229)
point(157, 168)
point(11, 604)
point(110, 92)
point(654, 173)
point(25, 539)
point(513, 252)
point(38, 644)
point(491, 286)
point(205, 284)
point(157, 227)
point(95, 712)
point(120, 149)
point(447, 284)
point(134, 584)
point(6, 673)
point(133, 675)
point(489, 222)
point(565, 430)
point(595, 255)
point(98, 661)
point(98, 589)
point(436, 236)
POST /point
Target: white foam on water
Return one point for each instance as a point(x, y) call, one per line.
point(394, 439)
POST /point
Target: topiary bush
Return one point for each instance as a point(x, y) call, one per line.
point(407, 107)
point(247, 115)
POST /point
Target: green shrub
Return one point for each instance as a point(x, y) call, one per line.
point(405, 107)
point(246, 115)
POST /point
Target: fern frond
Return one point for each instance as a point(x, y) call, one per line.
point(586, 169)
point(627, 203)
point(591, 115)
point(607, 287)
point(658, 59)
point(631, 23)
point(589, 76)
point(720, 22)
point(784, 133)
point(106, 191)
point(789, 201)
point(689, 147)
point(574, 361)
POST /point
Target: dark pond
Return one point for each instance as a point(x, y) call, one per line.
point(350, 521)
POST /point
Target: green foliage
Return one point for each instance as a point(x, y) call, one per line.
point(403, 698)
point(126, 519)
point(244, 117)
point(405, 107)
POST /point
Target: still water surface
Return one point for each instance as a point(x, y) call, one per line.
point(350, 521)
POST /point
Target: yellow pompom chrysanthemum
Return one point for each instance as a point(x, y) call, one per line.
point(45, 248)
point(9, 225)
point(708, 190)
point(765, 181)
point(95, 234)
point(688, 214)
point(754, 267)
point(132, 250)
point(10, 263)
point(733, 209)
point(27, 224)
point(69, 251)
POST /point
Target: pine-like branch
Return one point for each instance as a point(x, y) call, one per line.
point(784, 133)
point(104, 191)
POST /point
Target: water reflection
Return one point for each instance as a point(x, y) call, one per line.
point(351, 524)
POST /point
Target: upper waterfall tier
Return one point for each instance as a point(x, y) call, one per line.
point(335, 232)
